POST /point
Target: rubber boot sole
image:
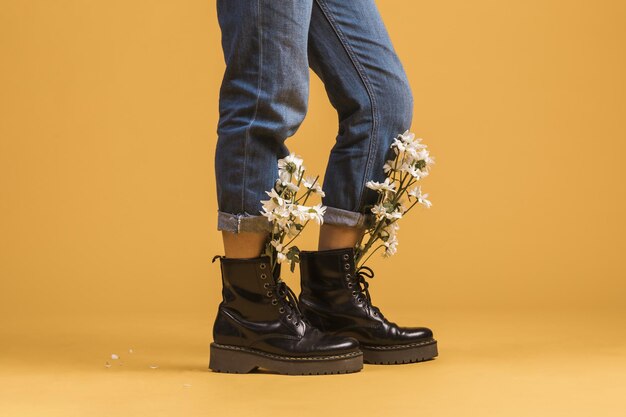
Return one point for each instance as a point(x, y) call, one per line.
point(239, 360)
point(399, 354)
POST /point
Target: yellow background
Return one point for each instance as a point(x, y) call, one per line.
point(108, 113)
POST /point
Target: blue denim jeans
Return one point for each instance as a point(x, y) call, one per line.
point(269, 46)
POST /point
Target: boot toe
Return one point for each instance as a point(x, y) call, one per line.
point(344, 343)
point(416, 333)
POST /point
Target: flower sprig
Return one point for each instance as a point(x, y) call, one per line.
point(397, 195)
point(287, 211)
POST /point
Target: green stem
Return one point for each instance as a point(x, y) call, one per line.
point(369, 256)
point(371, 240)
point(308, 192)
point(373, 232)
point(297, 234)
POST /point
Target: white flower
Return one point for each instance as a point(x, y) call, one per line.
point(413, 171)
point(286, 216)
point(398, 146)
point(291, 163)
point(284, 176)
point(407, 136)
point(421, 198)
point(274, 201)
point(289, 185)
point(280, 251)
point(299, 213)
point(289, 166)
point(386, 186)
point(391, 246)
point(388, 236)
point(388, 166)
point(312, 184)
point(280, 214)
point(424, 155)
point(412, 162)
point(316, 213)
point(396, 214)
point(381, 212)
point(410, 141)
point(407, 144)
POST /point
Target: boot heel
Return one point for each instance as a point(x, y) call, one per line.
point(231, 361)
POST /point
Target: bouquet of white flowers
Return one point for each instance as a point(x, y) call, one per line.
point(397, 195)
point(287, 211)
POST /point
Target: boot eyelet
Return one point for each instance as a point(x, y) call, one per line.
point(263, 276)
point(353, 292)
point(349, 285)
point(348, 276)
point(346, 266)
point(269, 293)
point(266, 285)
point(358, 300)
point(375, 313)
point(274, 302)
point(281, 310)
point(262, 266)
point(345, 256)
point(288, 316)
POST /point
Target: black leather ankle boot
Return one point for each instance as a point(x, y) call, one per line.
point(336, 299)
point(259, 325)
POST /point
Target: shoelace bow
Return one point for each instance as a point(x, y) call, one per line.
point(363, 273)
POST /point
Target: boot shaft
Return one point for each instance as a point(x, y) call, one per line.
point(327, 277)
point(246, 286)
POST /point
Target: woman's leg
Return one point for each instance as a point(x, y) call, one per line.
point(334, 236)
point(263, 100)
point(350, 50)
point(243, 244)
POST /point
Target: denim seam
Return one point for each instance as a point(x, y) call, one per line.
point(357, 65)
point(256, 108)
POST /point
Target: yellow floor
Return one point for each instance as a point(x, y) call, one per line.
point(490, 364)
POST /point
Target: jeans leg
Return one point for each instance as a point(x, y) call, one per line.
point(263, 100)
point(350, 50)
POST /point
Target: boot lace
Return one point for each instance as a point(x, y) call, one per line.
point(288, 300)
point(362, 294)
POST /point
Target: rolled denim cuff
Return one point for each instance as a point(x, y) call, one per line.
point(341, 217)
point(244, 222)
